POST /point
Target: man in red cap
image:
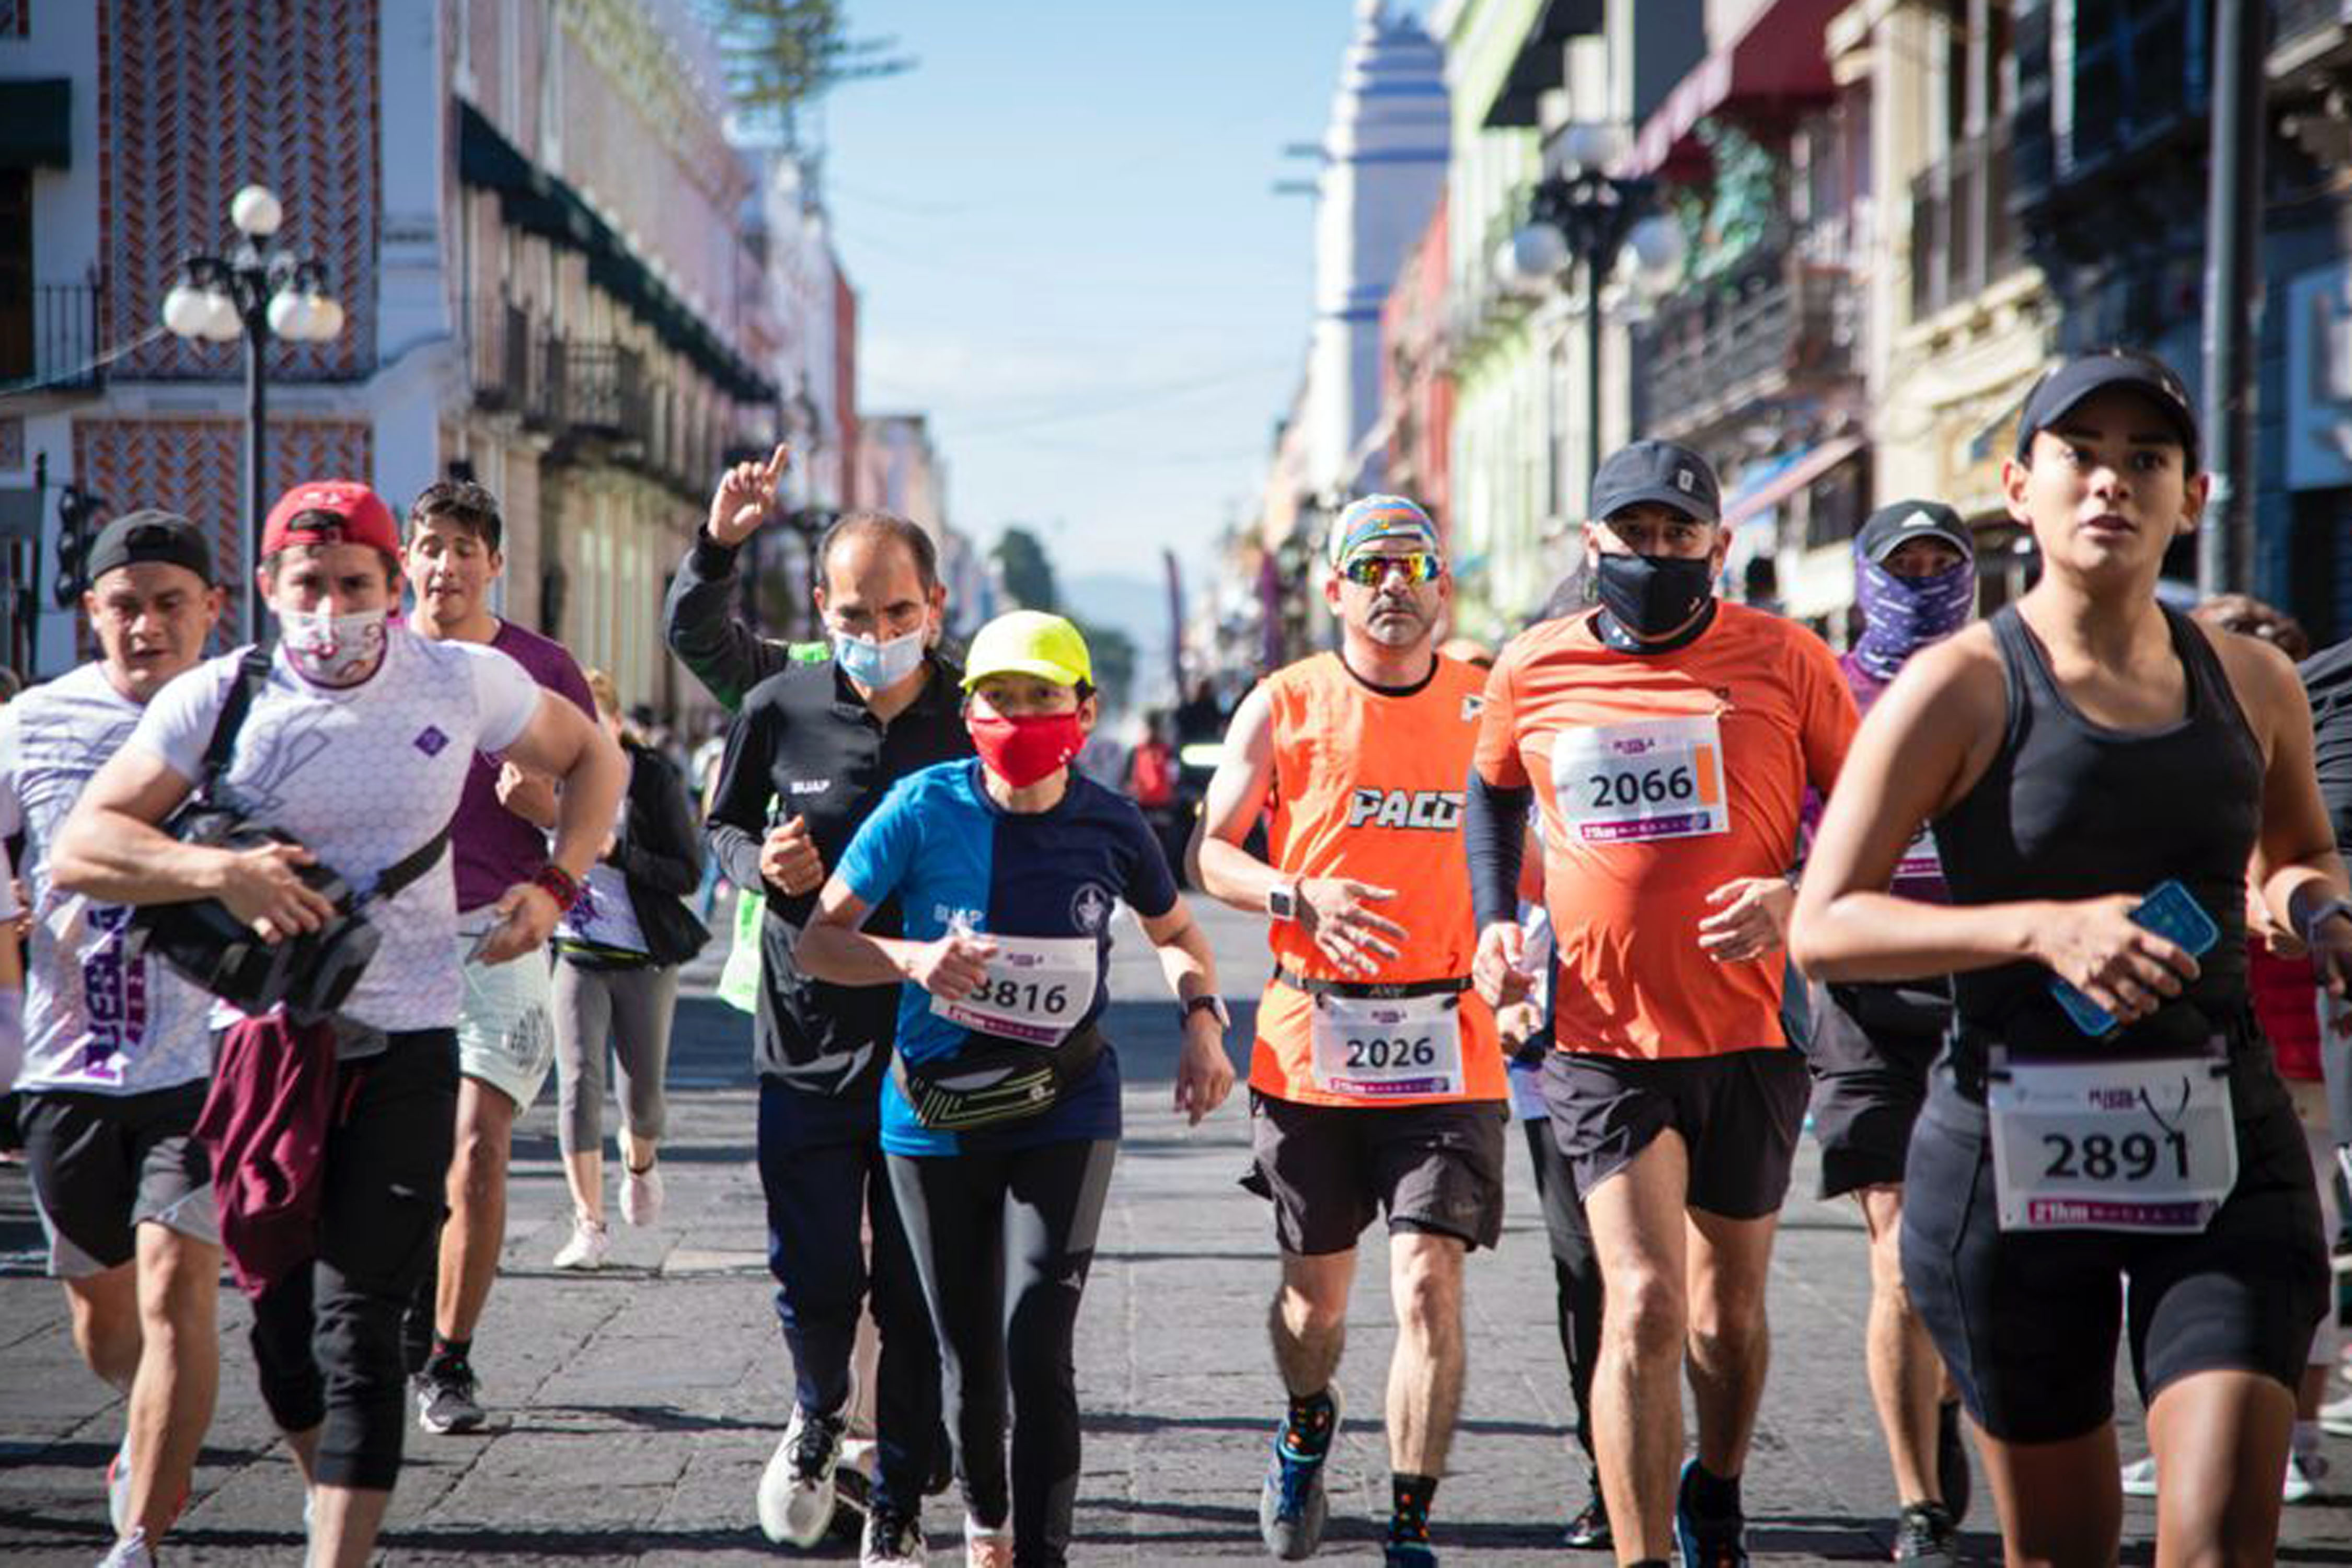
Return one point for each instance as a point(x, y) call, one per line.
point(354, 747)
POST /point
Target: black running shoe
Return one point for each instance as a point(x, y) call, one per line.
point(448, 1399)
point(1926, 1534)
point(1707, 1541)
point(1589, 1531)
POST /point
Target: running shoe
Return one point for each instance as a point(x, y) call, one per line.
point(1409, 1554)
point(892, 1540)
point(1953, 1477)
point(2304, 1474)
point(131, 1552)
point(1293, 1505)
point(591, 1240)
point(118, 1487)
point(1707, 1541)
point(986, 1546)
point(448, 1399)
point(797, 1491)
point(2139, 1477)
point(1926, 1534)
point(1589, 1531)
point(641, 1195)
point(2336, 1417)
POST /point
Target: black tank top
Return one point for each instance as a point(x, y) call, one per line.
point(2071, 809)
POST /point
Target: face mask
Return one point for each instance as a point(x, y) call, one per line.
point(330, 649)
point(1902, 614)
point(1025, 749)
point(875, 665)
point(1654, 596)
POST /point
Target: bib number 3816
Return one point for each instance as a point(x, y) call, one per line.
point(1037, 989)
point(1656, 778)
point(2143, 1145)
point(1383, 1048)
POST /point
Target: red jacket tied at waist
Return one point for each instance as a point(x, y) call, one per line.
point(265, 1123)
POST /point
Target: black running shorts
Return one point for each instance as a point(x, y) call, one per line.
point(1737, 1113)
point(1330, 1169)
point(103, 1164)
point(1870, 1078)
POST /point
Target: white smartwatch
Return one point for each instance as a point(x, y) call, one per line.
point(1281, 902)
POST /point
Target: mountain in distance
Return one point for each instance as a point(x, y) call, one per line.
point(1136, 605)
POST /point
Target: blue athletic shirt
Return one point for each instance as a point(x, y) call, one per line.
point(946, 849)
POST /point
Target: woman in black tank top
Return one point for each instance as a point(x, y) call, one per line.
point(2081, 751)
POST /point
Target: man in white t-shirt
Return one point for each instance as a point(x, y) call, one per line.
point(356, 747)
point(115, 1051)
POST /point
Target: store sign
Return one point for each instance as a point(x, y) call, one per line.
point(2319, 379)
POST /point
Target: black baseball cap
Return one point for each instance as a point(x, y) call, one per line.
point(148, 534)
point(1892, 527)
point(2062, 391)
point(1657, 471)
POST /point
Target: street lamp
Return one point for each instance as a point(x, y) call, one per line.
point(1586, 216)
point(261, 292)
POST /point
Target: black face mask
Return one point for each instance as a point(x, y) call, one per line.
point(1653, 595)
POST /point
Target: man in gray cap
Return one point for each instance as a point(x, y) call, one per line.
point(117, 1053)
point(1669, 739)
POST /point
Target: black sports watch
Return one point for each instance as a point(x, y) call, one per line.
point(1213, 1003)
point(1282, 900)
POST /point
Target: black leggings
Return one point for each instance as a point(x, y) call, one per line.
point(1003, 1242)
point(1575, 1269)
point(326, 1339)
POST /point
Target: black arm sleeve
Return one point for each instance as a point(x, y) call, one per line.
point(699, 624)
point(739, 815)
point(668, 855)
point(1495, 831)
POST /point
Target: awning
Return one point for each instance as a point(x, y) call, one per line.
point(1542, 63)
point(1781, 57)
point(1817, 461)
point(36, 123)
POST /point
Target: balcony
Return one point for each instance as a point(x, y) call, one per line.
point(49, 341)
point(603, 394)
point(1962, 237)
point(1776, 329)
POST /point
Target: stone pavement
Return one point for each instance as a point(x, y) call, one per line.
point(636, 1406)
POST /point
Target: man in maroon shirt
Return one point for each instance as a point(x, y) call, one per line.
point(506, 1035)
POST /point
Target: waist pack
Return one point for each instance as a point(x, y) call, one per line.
point(993, 1081)
point(309, 973)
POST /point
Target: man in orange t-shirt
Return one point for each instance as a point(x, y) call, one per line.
point(1669, 739)
point(1376, 1080)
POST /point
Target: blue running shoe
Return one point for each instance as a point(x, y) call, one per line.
point(1410, 1554)
point(1292, 1506)
point(1707, 1541)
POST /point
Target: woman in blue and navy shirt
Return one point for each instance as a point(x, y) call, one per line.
point(1001, 1115)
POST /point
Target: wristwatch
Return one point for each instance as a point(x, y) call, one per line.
point(2311, 921)
point(1282, 900)
point(1213, 1003)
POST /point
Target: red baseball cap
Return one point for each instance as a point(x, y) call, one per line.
point(365, 519)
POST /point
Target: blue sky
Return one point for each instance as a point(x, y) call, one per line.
point(1067, 252)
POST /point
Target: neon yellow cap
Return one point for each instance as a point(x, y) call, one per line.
point(1029, 642)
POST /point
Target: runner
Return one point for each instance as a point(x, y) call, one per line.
point(1001, 1112)
point(1669, 739)
point(618, 952)
point(1376, 1083)
point(2087, 751)
point(116, 1047)
point(506, 1035)
point(809, 756)
point(355, 741)
point(1915, 583)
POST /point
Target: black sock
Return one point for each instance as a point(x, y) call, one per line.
point(447, 1352)
point(1711, 1496)
point(1308, 1431)
point(1413, 1494)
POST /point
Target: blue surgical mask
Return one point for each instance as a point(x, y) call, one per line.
point(875, 665)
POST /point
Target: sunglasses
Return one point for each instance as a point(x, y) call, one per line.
point(1371, 571)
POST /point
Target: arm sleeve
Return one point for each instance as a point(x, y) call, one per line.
point(505, 694)
point(876, 861)
point(701, 628)
point(1493, 831)
point(738, 814)
point(667, 856)
point(1150, 886)
point(178, 724)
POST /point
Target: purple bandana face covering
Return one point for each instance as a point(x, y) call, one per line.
point(1902, 614)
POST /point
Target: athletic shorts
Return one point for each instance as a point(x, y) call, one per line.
point(2028, 1322)
point(1329, 1169)
point(1738, 1115)
point(103, 1165)
point(506, 1031)
point(1869, 1082)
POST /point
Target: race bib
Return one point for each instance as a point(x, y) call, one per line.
point(1647, 779)
point(1037, 989)
point(2141, 1145)
point(1384, 1048)
point(1920, 861)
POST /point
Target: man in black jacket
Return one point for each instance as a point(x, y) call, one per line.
point(812, 753)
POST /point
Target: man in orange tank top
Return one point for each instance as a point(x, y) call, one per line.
point(1376, 1080)
point(1669, 739)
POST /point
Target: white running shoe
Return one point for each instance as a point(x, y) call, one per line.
point(986, 1548)
point(796, 1490)
point(2336, 1417)
point(641, 1195)
point(118, 1489)
point(589, 1243)
point(2139, 1477)
point(2304, 1474)
point(131, 1552)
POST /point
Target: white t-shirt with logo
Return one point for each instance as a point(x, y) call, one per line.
point(363, 776)
point(96, 1021)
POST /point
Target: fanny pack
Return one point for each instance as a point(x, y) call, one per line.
point(309, 973)
point(993, 1081)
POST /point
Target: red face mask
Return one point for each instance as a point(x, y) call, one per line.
point(1023, 749)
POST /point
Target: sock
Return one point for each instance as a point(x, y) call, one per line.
point(1711, 1496)
point(447, 1352)
point(1307, 1431)
point(1413, 1494)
